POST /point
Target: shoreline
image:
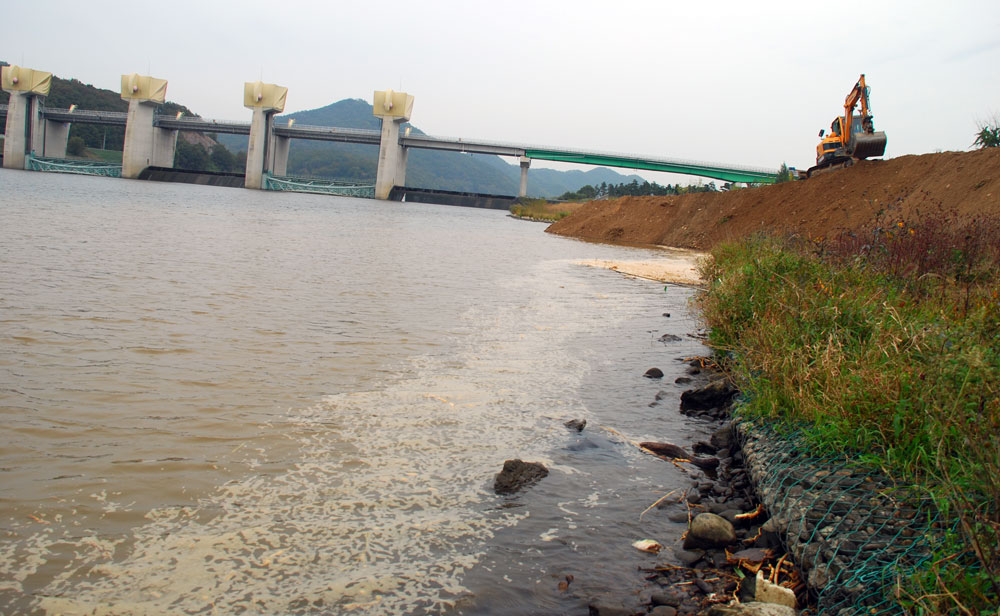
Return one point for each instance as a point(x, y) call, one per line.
point(678, 266)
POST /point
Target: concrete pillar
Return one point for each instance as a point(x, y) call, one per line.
point(393, 108)
point(260, 126)
point(523, 190)
point(389, 155)
point(18, 136)
point(404, 154)
point(265, 99)
point(279, 155)
point(56, 138)
point(164, 147)
point(145, 146)
point(137, 154)
point(24, 130)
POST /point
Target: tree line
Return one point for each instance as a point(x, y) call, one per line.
point(634, 189)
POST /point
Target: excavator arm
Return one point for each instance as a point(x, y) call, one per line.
point(858, 94)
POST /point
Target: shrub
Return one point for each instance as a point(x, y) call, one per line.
point(989, 134)
point(76, 146)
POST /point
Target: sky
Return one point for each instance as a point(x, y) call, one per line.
point(745, 83)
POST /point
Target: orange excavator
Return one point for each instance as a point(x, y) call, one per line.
point(852, 137)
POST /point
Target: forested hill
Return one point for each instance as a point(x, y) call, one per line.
point(425, 168)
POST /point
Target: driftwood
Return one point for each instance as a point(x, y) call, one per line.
point(669, 450)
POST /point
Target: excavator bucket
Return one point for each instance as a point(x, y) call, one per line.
point(867, 145)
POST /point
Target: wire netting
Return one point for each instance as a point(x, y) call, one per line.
point(80, 167)
point(313, 185)
point(855, 532)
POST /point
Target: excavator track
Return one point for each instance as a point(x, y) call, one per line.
point(832, 165)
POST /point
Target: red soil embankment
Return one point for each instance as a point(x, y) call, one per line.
point(967, 183)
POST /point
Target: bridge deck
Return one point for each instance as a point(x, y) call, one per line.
point(727, 173)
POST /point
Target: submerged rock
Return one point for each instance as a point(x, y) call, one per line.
point(654, 373)
point(576, 424)
point(518, 474)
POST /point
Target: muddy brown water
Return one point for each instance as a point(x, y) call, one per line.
point(221, 401)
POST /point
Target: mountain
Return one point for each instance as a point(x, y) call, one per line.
point(425, 168)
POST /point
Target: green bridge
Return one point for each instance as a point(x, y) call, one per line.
point(748, 175)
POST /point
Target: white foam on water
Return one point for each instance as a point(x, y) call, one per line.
point(388, 504)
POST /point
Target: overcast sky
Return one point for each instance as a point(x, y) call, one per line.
point(739, 82)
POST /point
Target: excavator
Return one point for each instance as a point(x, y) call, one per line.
point(852, 137)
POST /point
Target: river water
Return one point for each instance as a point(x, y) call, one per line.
point(222, 401)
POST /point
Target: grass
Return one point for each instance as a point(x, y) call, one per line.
point(541, 209)
point(885, 343)
point(108, 156)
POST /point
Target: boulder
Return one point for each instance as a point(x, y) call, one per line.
point(723, 437)
point(576, 424)
point(709, 531)
point(653, 373)
point(716, 394)
point(518, 474)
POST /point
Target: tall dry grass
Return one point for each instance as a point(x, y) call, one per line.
point(883, 342)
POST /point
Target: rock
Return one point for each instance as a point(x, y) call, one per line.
point(716, 394)
point(703, 586)
point(751, 609)
point(687, 557)
point(576, 424)
point(818, 577)
point(709, 531)
point(670, 338)
point(663, 610)
point(678, 516)
point(703, 449)
point(768, 592)
point(666, 314)
point(653, 373)
point(723, 437)
point(682, 380)
point(517, 474)
point(669, 597)
point(609, 608)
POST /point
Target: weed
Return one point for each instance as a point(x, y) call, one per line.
point(886, 341)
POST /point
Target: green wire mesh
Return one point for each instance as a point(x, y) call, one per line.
point(80, 167)
point(325, 187)
point(853, 531)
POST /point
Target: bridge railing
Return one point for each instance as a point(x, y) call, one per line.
point(116, 118)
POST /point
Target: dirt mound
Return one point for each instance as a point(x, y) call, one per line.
point(967, 183)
